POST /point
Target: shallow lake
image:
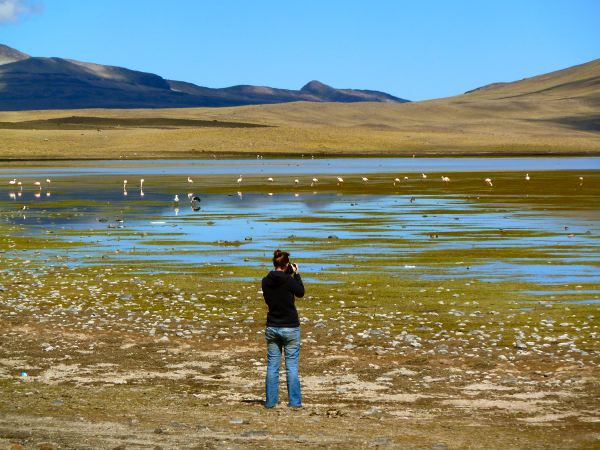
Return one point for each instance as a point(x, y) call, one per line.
point(544, 230)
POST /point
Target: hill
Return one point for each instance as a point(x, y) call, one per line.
point(28, 83)
point(554, 113)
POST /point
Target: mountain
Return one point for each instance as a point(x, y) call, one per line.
point(8, 55)
point(28, 83)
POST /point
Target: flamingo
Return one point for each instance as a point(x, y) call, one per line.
point(13, 181)
point(38, 184)
point(37, 194)
point(527, 177)
point(340, 180)
point(365, 179)
point(239, 180)
point(488, 181)
point(190, 180)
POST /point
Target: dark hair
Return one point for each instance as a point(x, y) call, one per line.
point(281, 259)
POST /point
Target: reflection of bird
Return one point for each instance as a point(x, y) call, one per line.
point(365, 179)
point(239, 194)
point(190, 180)
point(176, 199)
point(190, 195)
point(38, 184)
point(12, 195)
point(412, 199)
point(489, 181)
point(37, 194)
point(527, 178)
point(196, 203)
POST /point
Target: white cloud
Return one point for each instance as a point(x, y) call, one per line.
point(12, 10)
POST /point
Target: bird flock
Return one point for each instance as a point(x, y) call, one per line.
point(270, 180)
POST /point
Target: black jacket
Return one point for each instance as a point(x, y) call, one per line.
point(279, 290)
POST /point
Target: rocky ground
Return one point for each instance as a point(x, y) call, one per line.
point(90, 358)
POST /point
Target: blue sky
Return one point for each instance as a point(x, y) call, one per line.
point(412, 49)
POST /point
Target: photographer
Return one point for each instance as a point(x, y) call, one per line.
point(282, 332)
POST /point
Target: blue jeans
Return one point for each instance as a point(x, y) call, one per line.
point(287, 339)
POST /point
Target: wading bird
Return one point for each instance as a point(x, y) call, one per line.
point(20, 185)
point(13, 181)
point(489, 181)
point(423, 176)
point(270, 179)
point(296, 181)
point(365, 179)
point(38, 184)
point(190, 180)
point(340, 180)
point(527, 177)
point(314, 181)
point(240, 179)
point(141, 183)
point(48, 180)
point(396, 180)
point(445, 179)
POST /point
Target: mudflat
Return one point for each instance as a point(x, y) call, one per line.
point(439, 314)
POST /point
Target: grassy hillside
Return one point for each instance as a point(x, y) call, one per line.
point(555, 113)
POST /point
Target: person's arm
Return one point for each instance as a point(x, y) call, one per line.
point(297, 285)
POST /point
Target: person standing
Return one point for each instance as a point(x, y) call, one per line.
point(282, 332)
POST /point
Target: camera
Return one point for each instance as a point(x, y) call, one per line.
point(291, 268)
